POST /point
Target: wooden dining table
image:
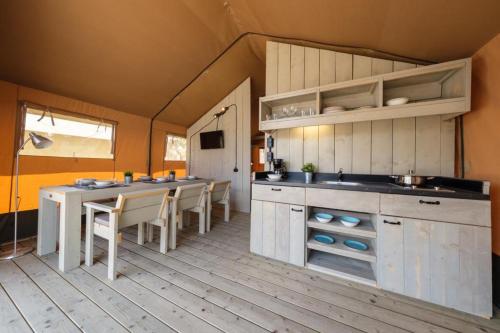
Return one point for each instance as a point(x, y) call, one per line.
point(63, 205)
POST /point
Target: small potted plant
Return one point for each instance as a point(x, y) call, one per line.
point(129, 177)
point(308, 170)
point(171, 175)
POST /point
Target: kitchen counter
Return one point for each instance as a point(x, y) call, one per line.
point(449, 187)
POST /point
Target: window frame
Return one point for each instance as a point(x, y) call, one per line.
point(21, 121)
point(167, 134)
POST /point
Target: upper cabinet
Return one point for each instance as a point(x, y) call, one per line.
point(432, 90)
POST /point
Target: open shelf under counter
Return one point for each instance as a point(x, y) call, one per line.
point(363, 229)
point(347, 268)
point(340, 249)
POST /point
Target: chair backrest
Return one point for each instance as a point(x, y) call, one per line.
point(141, 206)
point(219, 190)
point(190, 196)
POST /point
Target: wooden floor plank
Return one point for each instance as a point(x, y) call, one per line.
point(215, 315)
point(121, 309)
point(302, 316)
point(172, 315)
point(373, 296)
point(38, 310)
point(11, 321)
point(216, 256)
point(84, 313)
point(239, 306)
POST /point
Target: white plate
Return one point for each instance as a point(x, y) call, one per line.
point(103, 182)
point(333, 109)
point(365, 107)
point(85, 181)
point(102, 186)
point(397, 101)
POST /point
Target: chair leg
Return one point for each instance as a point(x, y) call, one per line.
point(163, 239)
point(202, 221)
point(112, 253)
point(150, 232)
point(140, 233)
point(173, 231)
point(226, 212)
point(209, 216)
point(89, 238)
point(180, 220)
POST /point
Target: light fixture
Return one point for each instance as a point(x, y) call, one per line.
point(39, 142)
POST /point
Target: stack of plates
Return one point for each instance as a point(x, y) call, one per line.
point(332, 109)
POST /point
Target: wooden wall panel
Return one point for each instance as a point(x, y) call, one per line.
point(343, 147)
point(297, 63)
point(361, 147)
point(382, 133)
point(326, 67)
point(284, 67)
point(311, 141)
point(343, 67)
point(428, 147)
point(326, 148)
point(297, 148)
point(271, 68)
point(378, 147)
point(403, 145)
point(311, 68)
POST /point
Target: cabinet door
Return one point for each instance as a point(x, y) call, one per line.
point(417, 279)
point(282, 236)
point(448, 264)
point(268, 229)
point(297, 235)
point(390, 256)
point(256, 227)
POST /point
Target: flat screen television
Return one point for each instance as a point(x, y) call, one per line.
point(212, 140)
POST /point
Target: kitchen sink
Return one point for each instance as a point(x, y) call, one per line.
point(336, 182)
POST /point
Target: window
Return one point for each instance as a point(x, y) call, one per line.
point(175, 148)
point(72, 135)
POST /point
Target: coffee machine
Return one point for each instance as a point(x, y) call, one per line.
point(279, 167)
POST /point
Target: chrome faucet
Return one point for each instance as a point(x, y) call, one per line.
point(340, 175)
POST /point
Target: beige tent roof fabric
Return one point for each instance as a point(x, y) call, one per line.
point(135, 56)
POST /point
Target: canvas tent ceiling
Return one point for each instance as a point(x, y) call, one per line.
point(136, 56)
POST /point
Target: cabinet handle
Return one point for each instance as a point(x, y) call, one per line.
point(422, 202)
point(276, 189)
point(297, 210)
point(392, 222)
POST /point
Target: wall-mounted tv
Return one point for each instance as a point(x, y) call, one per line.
point(212, 140)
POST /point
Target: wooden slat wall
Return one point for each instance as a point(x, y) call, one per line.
point(426, 144)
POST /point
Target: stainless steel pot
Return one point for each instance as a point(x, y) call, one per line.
point(411, 179)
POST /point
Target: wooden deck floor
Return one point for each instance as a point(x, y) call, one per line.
point(209, 284)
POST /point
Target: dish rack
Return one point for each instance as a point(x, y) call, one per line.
point(338, 259)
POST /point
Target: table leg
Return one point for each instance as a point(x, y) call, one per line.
point(70, 232)
point(47, 226)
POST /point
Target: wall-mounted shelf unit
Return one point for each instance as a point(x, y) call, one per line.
point(433, 90)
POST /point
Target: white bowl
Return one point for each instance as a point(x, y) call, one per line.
point(349, 221)
point(333, 109)
point(274, 177)
point(162, 179)
point(85, 181)
point(146, 178)
point(323, 217)
point(191, 177)
point(103, 182)
point(397, 101)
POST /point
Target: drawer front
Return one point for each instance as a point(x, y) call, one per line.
point(285, 194)
point(473, 212)
point(366, 202)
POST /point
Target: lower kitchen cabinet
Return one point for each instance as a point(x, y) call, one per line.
point(278, 231)
point(445, 263)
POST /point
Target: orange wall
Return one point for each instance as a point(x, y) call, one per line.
point(482, 127)
point(132, 142)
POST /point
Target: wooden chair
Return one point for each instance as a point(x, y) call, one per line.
point(187, 198)
point(218, 193)
point(132, 208)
